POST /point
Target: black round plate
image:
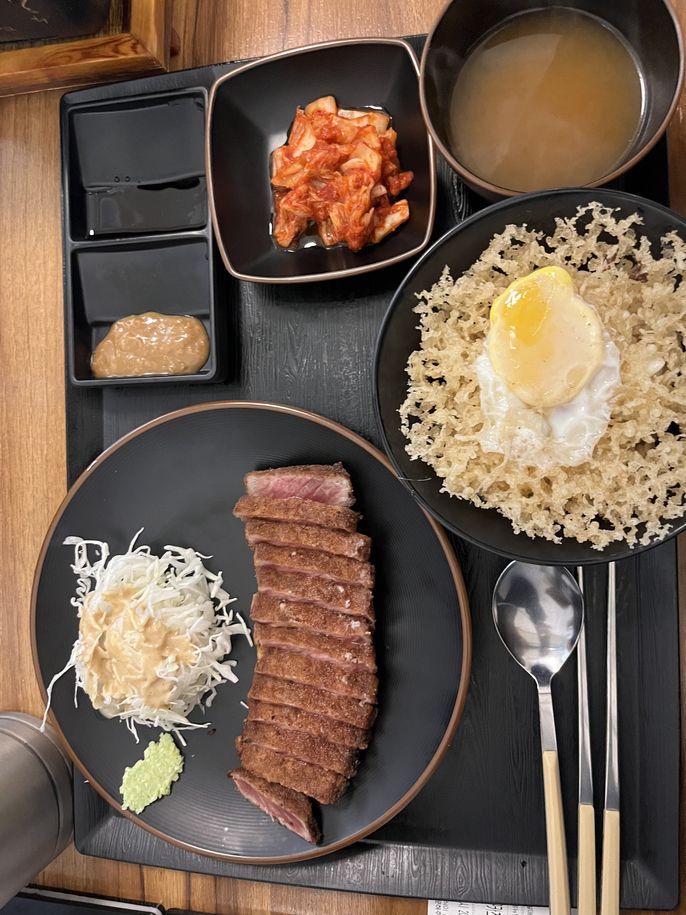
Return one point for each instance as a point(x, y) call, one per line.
point(399, 337)
point(179, 477)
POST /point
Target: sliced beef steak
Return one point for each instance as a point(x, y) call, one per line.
point(323, 785)
point(355, 712)
point(290, 665)
point(307, 747)
point(287, 717)
point(319, 482)
point(290, 808)
point(351, 654)
point(310, 537)
point(301, 586)
point(316, 562)
point(299, 510)
point(312, 702)
point(267, 608)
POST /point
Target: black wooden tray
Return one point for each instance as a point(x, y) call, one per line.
point(477, 831)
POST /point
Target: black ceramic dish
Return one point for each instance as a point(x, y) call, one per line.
point(399, 337)
point(250, 112)
point(178, 477)
point(138, 237)
point(648, 26)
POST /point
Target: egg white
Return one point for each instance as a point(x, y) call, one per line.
point(564, 435)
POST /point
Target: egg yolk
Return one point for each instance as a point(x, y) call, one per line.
point(545, 341)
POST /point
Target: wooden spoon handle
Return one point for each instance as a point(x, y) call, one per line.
point(558, 874)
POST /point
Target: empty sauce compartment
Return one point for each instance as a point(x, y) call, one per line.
point(149, 208)
point(137, 166)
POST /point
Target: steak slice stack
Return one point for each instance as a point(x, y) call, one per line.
point(312, 702)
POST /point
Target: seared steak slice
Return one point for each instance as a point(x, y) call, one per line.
point(297, 510)
point(290, 808)
point(308, 536)
point(316, 562)
point(279, 612)
point(287, 717)
point(300, 586)
point(323, 785)
point(309, 698)
point(290, 665)
point(320, 482)
point(311, 749)
point(353, 654)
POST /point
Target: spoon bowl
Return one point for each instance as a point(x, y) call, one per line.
point(538, 613)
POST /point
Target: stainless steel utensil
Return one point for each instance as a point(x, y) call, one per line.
point(586, 879)
point(538, 612)
point(609, 887)
point(35, 800)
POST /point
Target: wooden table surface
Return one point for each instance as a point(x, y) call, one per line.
point(32, 447)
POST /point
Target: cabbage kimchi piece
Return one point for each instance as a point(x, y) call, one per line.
point(337, 175)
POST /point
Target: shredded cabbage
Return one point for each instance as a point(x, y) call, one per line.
point(176, 590)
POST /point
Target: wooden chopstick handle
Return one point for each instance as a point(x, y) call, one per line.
point(609, 887)
point(586, 888)
point(558, 874)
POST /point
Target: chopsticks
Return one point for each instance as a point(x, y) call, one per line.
point(609, 894)
point(586, 879)
point(586, 872)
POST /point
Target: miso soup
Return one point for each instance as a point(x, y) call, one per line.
point(551, 98)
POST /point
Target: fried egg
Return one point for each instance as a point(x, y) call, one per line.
point(547, 374)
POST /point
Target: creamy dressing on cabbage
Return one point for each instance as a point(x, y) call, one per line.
point(124, 650)
point(154, 634)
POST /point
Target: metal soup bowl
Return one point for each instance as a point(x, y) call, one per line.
point(649, 27)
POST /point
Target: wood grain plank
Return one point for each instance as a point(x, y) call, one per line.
point(31, 354)
point(150, 24)
point(73, 63)
point(676, 136)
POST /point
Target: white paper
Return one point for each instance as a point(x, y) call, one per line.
point(444, 907)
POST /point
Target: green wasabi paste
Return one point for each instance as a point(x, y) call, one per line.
point(151, 777)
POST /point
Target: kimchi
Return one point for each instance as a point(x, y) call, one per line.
point(338, 175)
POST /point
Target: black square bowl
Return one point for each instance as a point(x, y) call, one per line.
point(250, 112)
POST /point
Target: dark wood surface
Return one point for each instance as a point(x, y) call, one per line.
point(32, 414)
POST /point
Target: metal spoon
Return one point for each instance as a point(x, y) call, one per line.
point(538, 612)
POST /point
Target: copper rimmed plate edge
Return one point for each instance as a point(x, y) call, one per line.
point(462, 599)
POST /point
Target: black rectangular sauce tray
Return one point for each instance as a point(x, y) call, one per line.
point(137, 234)
point(476, 832)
